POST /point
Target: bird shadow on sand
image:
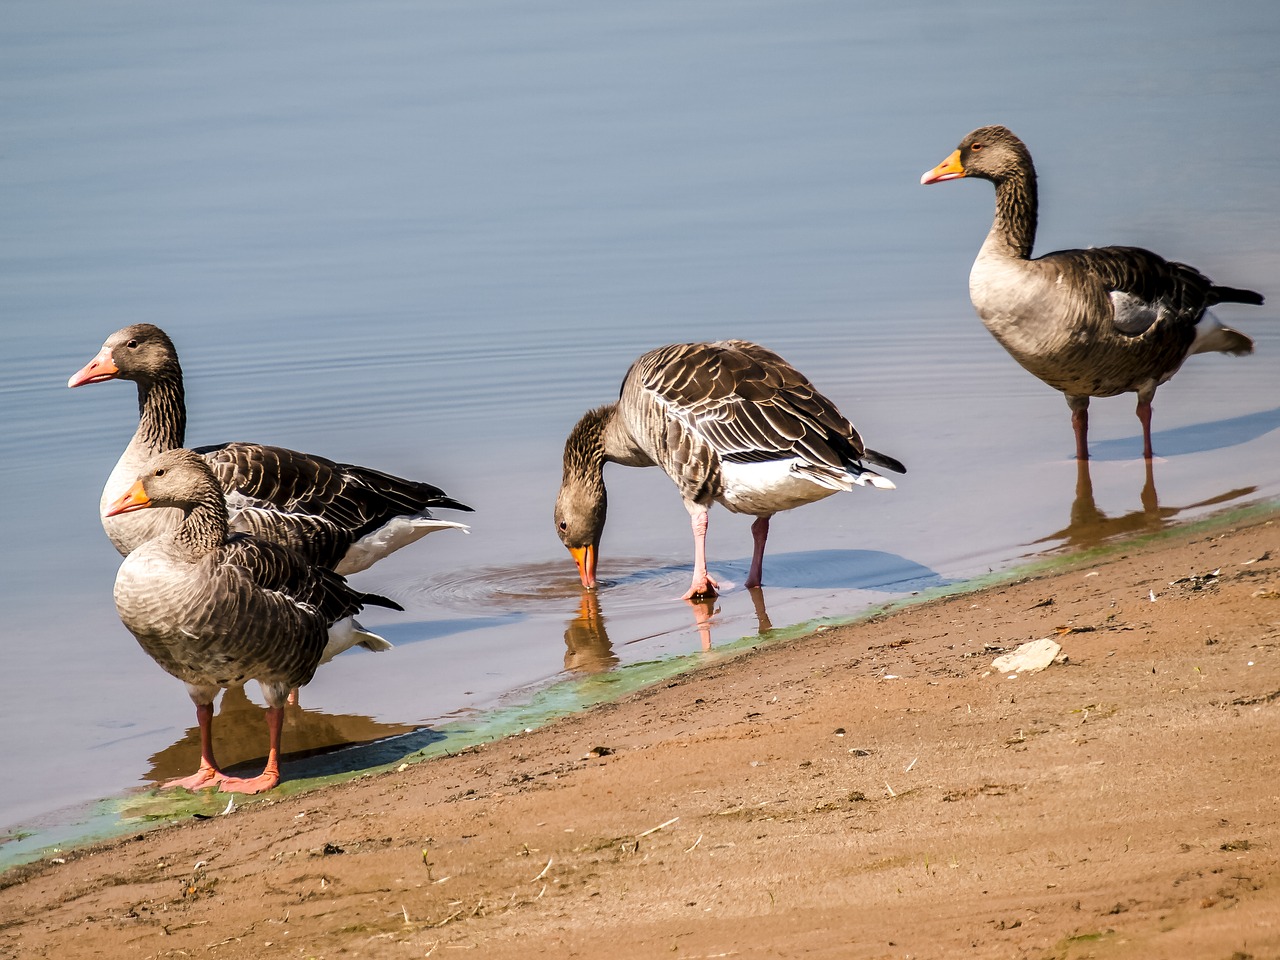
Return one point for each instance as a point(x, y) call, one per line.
point(1193, 438)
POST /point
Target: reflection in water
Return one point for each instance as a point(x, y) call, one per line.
point(587, 646)
point(704, 609)
point(763, 623)
point(242, 736)
point(1089, 526)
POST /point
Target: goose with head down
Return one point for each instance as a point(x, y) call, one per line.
point(730, 422)
point(216, 609)
point(1091, 323)
point(339, 515)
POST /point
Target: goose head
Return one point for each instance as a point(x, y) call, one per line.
point(176, 478)
point(990, 153)
point(579, 523)
point(141, 352)
point(582, 502)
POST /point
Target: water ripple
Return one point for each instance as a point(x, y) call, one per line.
point(634, 582)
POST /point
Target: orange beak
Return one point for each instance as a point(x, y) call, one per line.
point(585, 558)
point(135, 498)
point(948, 169)
point(100, 368)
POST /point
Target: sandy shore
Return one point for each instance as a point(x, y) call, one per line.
point(877, 790)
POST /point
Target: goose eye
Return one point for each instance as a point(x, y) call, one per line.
point(562, 526)
point(975, 146)
point(160, 472)
point(132, 344)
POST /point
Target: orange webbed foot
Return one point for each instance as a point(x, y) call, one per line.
point(206, 776)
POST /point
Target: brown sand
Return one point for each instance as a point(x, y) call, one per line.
point(868, 791)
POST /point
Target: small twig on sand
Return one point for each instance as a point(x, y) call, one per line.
point(658, 827)
point(543, 873)
point(695, 843)
point(453, 916)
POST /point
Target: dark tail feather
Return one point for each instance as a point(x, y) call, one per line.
point(451, 504)
point(410, 495)
point(1234, 295)
point(883, 460)
point(376, 600)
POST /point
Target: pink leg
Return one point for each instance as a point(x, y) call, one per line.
point(759, 533)
point(702, 584)
point(1144, 415)
point(208, 775)
point(270, 775)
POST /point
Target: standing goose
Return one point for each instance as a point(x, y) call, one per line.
point(340, 516)
point(216, 609)
point(1091, 323)
point(729, 422)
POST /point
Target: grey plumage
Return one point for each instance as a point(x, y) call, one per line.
point(1095, 322)
point(215, 608)
point(340, 515)
point(729, 422)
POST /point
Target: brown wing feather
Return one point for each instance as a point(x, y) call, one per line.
point(747, 403)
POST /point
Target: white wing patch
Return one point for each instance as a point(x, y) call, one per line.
point(1133, 315)
point(775, 485)
point(390, 537)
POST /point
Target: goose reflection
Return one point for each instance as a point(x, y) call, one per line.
point(705, 609)
point(1089, 526)
point(589, 650)
point(586, 642)
point(241, 737)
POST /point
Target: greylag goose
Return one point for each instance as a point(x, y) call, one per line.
point(215, 608)
point(339, 515)
point(1091, 323)
point(730, 422)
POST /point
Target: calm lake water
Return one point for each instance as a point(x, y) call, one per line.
point(427, 236)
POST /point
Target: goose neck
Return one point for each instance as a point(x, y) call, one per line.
point(1013, 231)
point(162, 414)
point(204, 527)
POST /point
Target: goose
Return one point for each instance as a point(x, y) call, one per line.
point(730, 422)
point(1091, 323)
point(339, 515)
point(216, 608)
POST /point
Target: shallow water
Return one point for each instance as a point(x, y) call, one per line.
point(426, 237)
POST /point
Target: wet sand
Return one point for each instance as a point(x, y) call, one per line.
point(875, 790)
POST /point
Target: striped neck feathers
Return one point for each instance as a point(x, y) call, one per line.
point(162, 412)
point(1014, 226)
point(586, 449)
point(204, 526)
